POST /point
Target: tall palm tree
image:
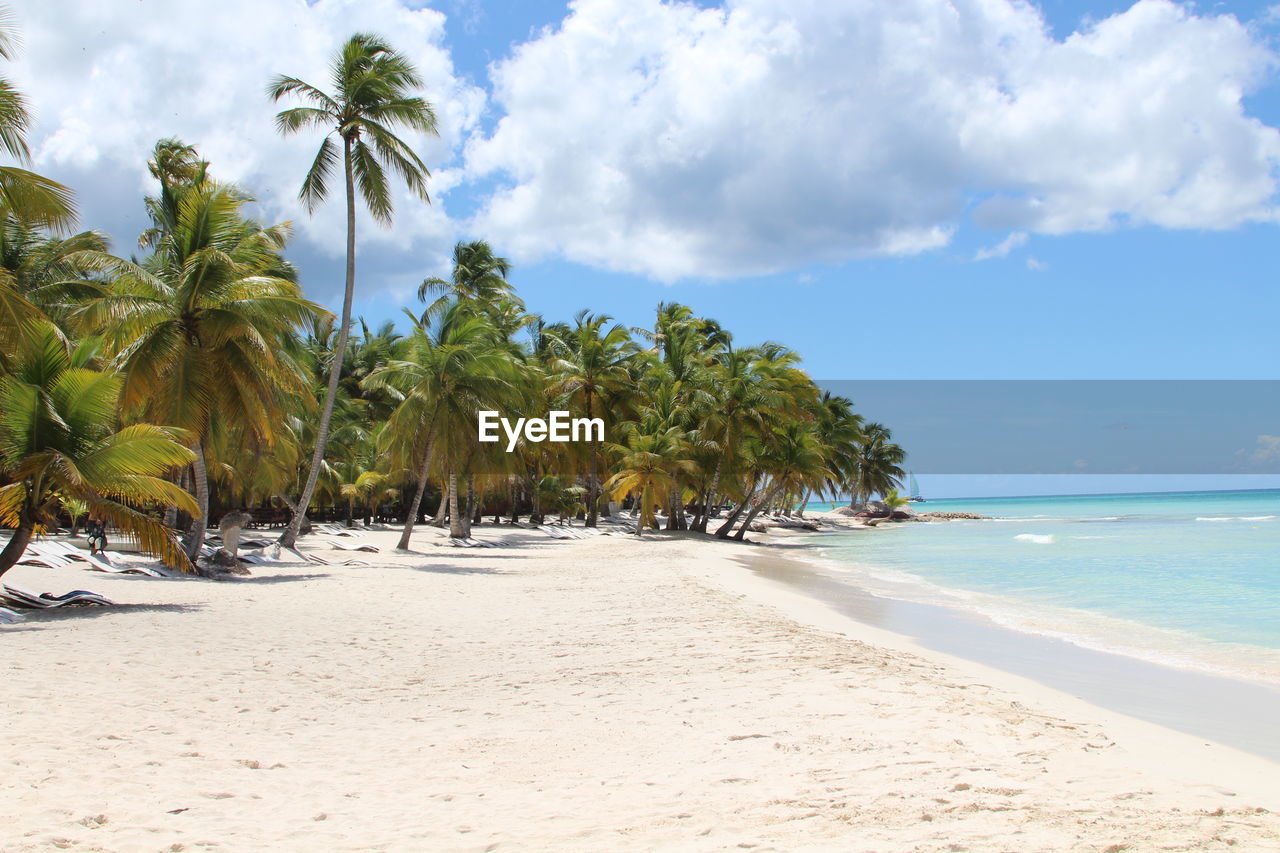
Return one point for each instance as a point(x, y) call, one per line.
point(59, 444)
point(449, 372)
point(794, 459)
point(372, 85)
point(878, 466)
point(202, 327)
point(590, 368)
point(478, 275)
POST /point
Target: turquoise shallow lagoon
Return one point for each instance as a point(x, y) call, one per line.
point(1165, 607)
point(1190, 580)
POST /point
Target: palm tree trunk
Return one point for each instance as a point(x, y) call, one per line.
point(17, 544)
point(290, 534)
point(722, 532)
point(751, 516)
point(469, 517)
point(442, 508)
point(200, 475)
point(455, 517)
point(412, 518)
point(711, 493)
point(808, 493)
point(593, 480)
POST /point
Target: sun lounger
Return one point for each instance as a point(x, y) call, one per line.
point(95, 566)
point(471, 543)
point(15, 597)
point(98, 562)
point(44, 560)
point(335, 530)
point(364, 546)
point(8, 617)
point(41, 554)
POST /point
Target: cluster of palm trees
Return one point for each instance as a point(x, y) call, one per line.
point(153, 393)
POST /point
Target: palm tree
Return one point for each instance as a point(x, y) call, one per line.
point(794, 459)
point(59, 444)
point(878, 466)
point(448, 373)
point(840, 430)
point(478, 275)
point(590, 369)
point(42, 276)
point(371, 84)
point(649, 467)
point(893, 502)
point(202, 327)
point(32, 199)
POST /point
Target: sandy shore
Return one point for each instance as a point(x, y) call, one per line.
point(601, 694)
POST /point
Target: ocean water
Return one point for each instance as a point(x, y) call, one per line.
point(1189, 580)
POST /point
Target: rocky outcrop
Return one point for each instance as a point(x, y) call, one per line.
point(949, 516)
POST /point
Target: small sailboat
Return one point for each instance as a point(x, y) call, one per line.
point(914, 489)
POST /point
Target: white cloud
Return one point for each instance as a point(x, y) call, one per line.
point(1265, 452)
point(1036, 265)
point(669, 140)
point(107, 80)
point(1002, 249)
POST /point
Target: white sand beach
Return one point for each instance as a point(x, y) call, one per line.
point(604, 694)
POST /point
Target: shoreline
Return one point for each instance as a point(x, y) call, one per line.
point(604, 693)
point(1232, 712)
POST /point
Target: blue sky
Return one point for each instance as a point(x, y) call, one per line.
point(1142, 303)
point(1094, 200)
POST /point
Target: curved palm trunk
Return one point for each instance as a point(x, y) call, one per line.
point(751, 516)
point(412, 517)
point(701, 527)
point(200, 474)
point(442, 509)
point(722, 532)
point(290, 534)
point(808, 493)
point(17, 544)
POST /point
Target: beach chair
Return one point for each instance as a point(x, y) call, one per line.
point(363, 546)
point(98, 562)
point(16, 597)
point(8, 617)
point(471, 543)
point(29, 559)
point(308, 558)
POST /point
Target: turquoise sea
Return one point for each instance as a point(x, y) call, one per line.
point(1189, 580)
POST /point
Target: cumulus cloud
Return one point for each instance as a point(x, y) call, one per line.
point(671, 140)
point(1002, 249)
point(109, 79)
point(1264, 453)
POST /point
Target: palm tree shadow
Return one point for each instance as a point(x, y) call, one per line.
point(270, 579)
point(36, 619)
point(459, 570)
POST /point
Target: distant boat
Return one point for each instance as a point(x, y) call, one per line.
point(914, 489)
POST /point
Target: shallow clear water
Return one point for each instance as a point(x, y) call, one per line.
point(1190, 580)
